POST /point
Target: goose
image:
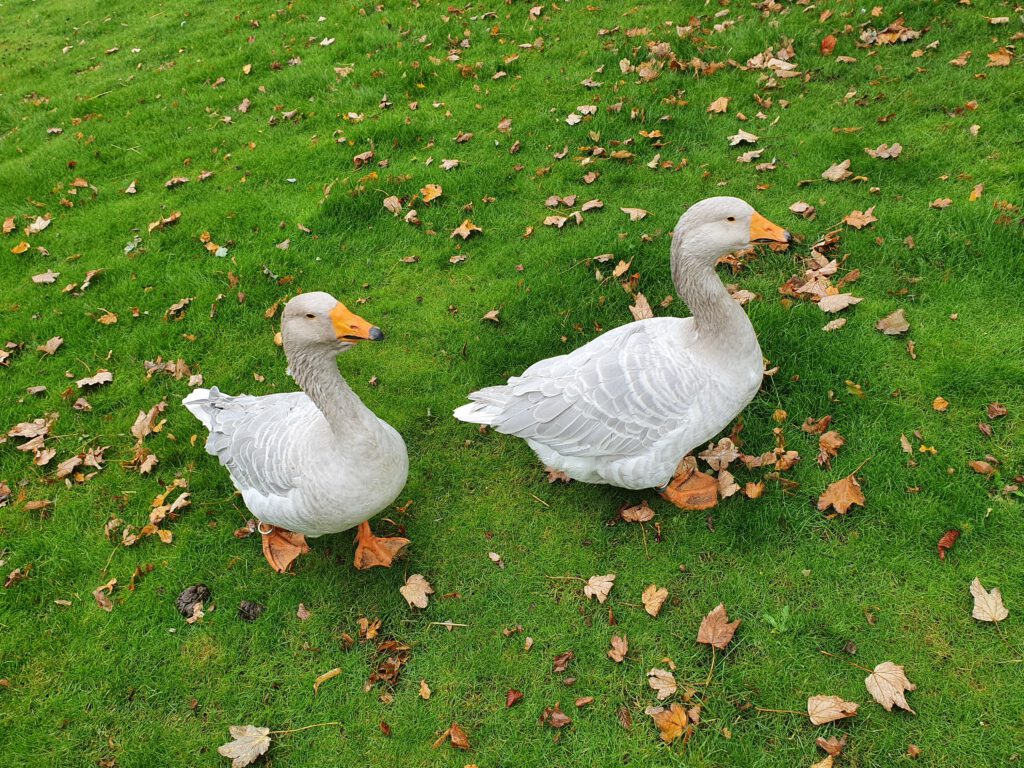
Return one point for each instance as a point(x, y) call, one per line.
point(625, 408)
point(313, 462)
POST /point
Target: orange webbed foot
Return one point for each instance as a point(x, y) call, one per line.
point(282, 547)
point(691, 489)
point(372, 551)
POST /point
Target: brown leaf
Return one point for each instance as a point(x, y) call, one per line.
point(431, 192)
point(672, 723)
point(249, 742)
point(837, 301)
point(720, 455)
point(51, 345)
point(465, 229)
point(828, 45)
point(1001, 58)
point(561, 662)
point(635, 214)
point(416, 591)
point(893, 324)
point(716, 630)
point(947, 541)
point(512, 698)
point(825, 709)
point(719, 105)
point(101, 376)
point(492, 316)
point(996, 410)
point(663, 682)
point(802, 209)
point(599, 587)
point(941, 202)
point(641, 513)
point(988, 606)
point(860, 219)
point(302, 614)
point(828, 762)
point(641, 310)
point(321, 679)
point(885, 152)
point(828, 446)
point(841, 495)
point(838, 172)
point(982, 467)
point(653, 598)
point(619, 649)
point(555, 717)
point(887, 685)
point(102, 595)
point(742, 137)
point(832, 745)
point(45, 278)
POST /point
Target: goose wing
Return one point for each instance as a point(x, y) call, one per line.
point(615, 396)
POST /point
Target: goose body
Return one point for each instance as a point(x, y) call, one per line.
point(625, 408)
point(312, 462)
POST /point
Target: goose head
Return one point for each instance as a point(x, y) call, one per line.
point(717, 226)
point(317, 320)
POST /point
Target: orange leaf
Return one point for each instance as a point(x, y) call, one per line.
point(841, 495)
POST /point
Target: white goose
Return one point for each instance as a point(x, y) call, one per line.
point(625, 408)
point(312, 462)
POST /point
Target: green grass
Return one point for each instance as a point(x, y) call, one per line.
point(140, 687)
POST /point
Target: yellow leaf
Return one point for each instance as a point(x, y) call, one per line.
point(431, 192)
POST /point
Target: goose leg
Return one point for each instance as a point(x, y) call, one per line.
point(281, 547)
point(373, 551)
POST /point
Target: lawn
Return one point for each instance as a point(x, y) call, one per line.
point(269, 112)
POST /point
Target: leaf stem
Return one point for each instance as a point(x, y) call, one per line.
point(712, 670)
point(851, 663)
point(781, 711)
point(303, 728)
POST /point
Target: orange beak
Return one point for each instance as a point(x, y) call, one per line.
point(351, 327)
point(763, 231)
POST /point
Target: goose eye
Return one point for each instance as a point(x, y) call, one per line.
point(730, 218)
point(310, 315)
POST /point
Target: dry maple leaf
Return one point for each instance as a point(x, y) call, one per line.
point(249, 742)
point(555, 717)
point(841, 495)
point(837, 171)
point(887, 685)
point(51, 345)
point(640, 513)
point(672, 723)
point(663, 682)
point(828, 762)
point(561, 662)
point(619, 649)
point(512, 698)
point(826, 709)
point(653, 598)
point(465, 229)
point(1001, 58)
point(742, 137)
point(716, 630)
point(885, 152)
point(860, 219)
point(599, 587)
point(431, 192)
point(828, 45)
point(641, 310)
point(719, 105)
point(804, 210)
point(831, 745)
point(101, 376)
point(837, 301)
point(492, 316)
point(893, 324)
point(635, 214)
point(829, 444)
point(102, 595)
point(988, 606)
point(720, 455)
point(416, 591)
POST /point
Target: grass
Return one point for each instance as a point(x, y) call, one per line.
point(138, 686)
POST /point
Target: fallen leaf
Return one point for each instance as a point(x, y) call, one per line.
point(940, 404)
point(672, 723)
point(838, 301)
point(641, 513)
point(829, 444)
point(555, 717)
point(641, 310)
point(941, 202)
point(249, 742)
point(663, 682)
point(988, 606)
point(303, 613)
point(828, 762)
point(101, 376)
point(887, 685)
point(102, 595)
point(51, 345)
point(828, 45)
point(947, 541)
point(982, 467)
point(45, 278)
point(860, 219)
point(716, 630)
point(431, 192)
point(802, 209)
point(465, 229)
point(719, 105)
point(841, 495)
point(885, 152)
point(838, 171)
point(599, 587)
point(653, 598)
point(619, 649)
point(742, 137)
point(321, 679)
point(831, 745)
point(425, 691)
point(416, 591)
point(512, 698)
point(893, 324)
point(491, 316)
point(1001, 58)
point(826, 709)
point(996, 410)
point(561, 662)
point(635, 214)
